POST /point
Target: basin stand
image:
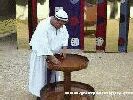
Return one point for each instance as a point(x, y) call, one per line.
point(67, 84)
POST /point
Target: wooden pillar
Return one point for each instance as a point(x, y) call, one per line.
point(82, 24)
point(124, 26)
point(32, 17)
point(101, 25)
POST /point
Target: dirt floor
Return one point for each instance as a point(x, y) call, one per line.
point(106, 72)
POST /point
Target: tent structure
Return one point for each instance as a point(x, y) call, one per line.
point(75, 26)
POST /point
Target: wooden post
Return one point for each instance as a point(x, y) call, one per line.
point(101, 25)
point(124, 26)
point(32, 17)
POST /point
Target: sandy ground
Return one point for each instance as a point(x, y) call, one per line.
point(106, 72)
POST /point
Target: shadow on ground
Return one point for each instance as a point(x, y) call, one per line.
point(8, 42)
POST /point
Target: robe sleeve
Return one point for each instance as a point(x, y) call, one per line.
point(65, 37)
point(40, 42)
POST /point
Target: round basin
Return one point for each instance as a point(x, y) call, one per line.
point(72, 62)
point(55, 91)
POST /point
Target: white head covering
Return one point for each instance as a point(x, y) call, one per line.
point(61, 14)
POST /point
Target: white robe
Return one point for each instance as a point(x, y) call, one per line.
point(46, 40)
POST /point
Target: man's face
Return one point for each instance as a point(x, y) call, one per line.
point(59, 23)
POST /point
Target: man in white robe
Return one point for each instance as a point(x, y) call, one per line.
point(49, 37)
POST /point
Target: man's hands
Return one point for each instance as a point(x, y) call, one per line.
point(63, 52)
point(54, 60)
